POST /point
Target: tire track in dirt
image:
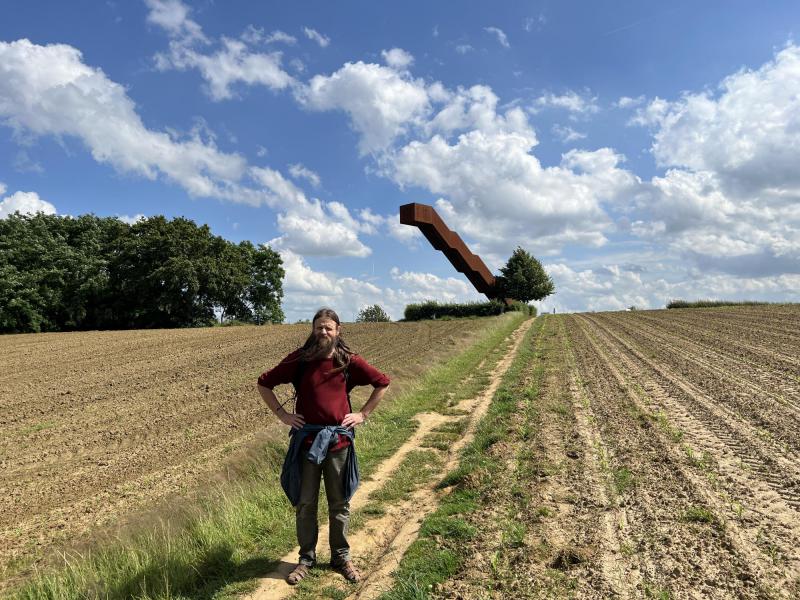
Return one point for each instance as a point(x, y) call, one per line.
point(779, 469)
point(621, 570)
point(582, 528)
point(759, 335)
point(680, 553)
point(767, 532)
point(763, 384)
point(762, 408)
point(383, 541)
point(764, 369)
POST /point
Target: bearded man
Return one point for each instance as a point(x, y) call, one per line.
point(322, 430)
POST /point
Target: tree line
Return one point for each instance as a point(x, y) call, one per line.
point(65, 274)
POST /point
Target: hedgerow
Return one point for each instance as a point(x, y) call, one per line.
point(435, 310)
point(713, 303)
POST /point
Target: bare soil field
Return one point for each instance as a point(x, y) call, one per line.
point(99, 426)
point(651, 454)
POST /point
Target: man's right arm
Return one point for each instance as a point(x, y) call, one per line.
point(291, 419)
point(283, 373)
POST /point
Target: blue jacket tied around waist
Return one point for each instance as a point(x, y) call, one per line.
point(325, 436)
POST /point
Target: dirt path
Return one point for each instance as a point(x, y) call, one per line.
point(381, 543)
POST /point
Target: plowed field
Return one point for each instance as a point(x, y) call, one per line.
point(653, 454)
point(100, 425)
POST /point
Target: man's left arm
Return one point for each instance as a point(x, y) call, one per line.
point(356, 418)
point(362, 373)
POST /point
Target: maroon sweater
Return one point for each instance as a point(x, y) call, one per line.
point(322, 397)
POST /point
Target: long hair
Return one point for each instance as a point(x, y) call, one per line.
point(341, 351)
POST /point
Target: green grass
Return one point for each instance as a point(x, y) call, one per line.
point(440, 441)
point(424, 565)
point(699, 514)
point(417, 468)
point(448, 526)
point(623, 479)
point(238, 531)
point(459, 427)
point(439, 552)
point(36, 427)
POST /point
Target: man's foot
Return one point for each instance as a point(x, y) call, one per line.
point(298, 574)
point(348, 570)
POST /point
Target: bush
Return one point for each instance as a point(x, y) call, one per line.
point(434, 310)
point(516, 305)
point(372, 314)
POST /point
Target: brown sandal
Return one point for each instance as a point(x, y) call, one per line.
point(297, 575)
point(349, 571)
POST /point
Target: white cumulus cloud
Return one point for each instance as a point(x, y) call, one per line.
point(26, 203)
point(567, 134)
point(232, 63)
point(317, 37)
point(48, 90)
point(571, 101)
point(173, 16)
point(730, 197)
point(501, 36)
point(380, 102)
point(496, 190)
point(298, 171)
point(397, 58)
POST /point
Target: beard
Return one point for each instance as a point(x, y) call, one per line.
point(320, 348)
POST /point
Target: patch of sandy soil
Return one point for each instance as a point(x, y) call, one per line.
point(381, 543)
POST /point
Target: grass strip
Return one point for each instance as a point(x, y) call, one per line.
point(238, 531)
point(437, 554)
point(417, 468)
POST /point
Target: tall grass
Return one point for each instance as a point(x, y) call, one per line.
point(238, 531)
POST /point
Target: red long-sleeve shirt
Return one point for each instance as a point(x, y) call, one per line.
point(322, 396)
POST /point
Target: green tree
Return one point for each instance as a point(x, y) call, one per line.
point(252, 289)
point(523, 278)
point(54, 271)
point(63, 273)
point(372, 314)
point(265, 290)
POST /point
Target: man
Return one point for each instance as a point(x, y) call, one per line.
point(323, 425)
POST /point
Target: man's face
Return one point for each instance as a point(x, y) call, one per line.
point(326, 329)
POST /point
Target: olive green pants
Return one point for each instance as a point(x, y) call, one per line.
point(332, 471)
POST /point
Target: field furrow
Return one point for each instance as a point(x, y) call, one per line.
point(729, 388)
point(681, 546)
point(760, 452)
point(758, 510)
point(757, 361)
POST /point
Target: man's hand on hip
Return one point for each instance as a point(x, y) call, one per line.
point(353, 419)
point(295, 420)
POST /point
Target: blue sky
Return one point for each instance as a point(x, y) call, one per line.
point(642, 150)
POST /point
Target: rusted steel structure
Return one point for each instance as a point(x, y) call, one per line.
point(442, 238)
